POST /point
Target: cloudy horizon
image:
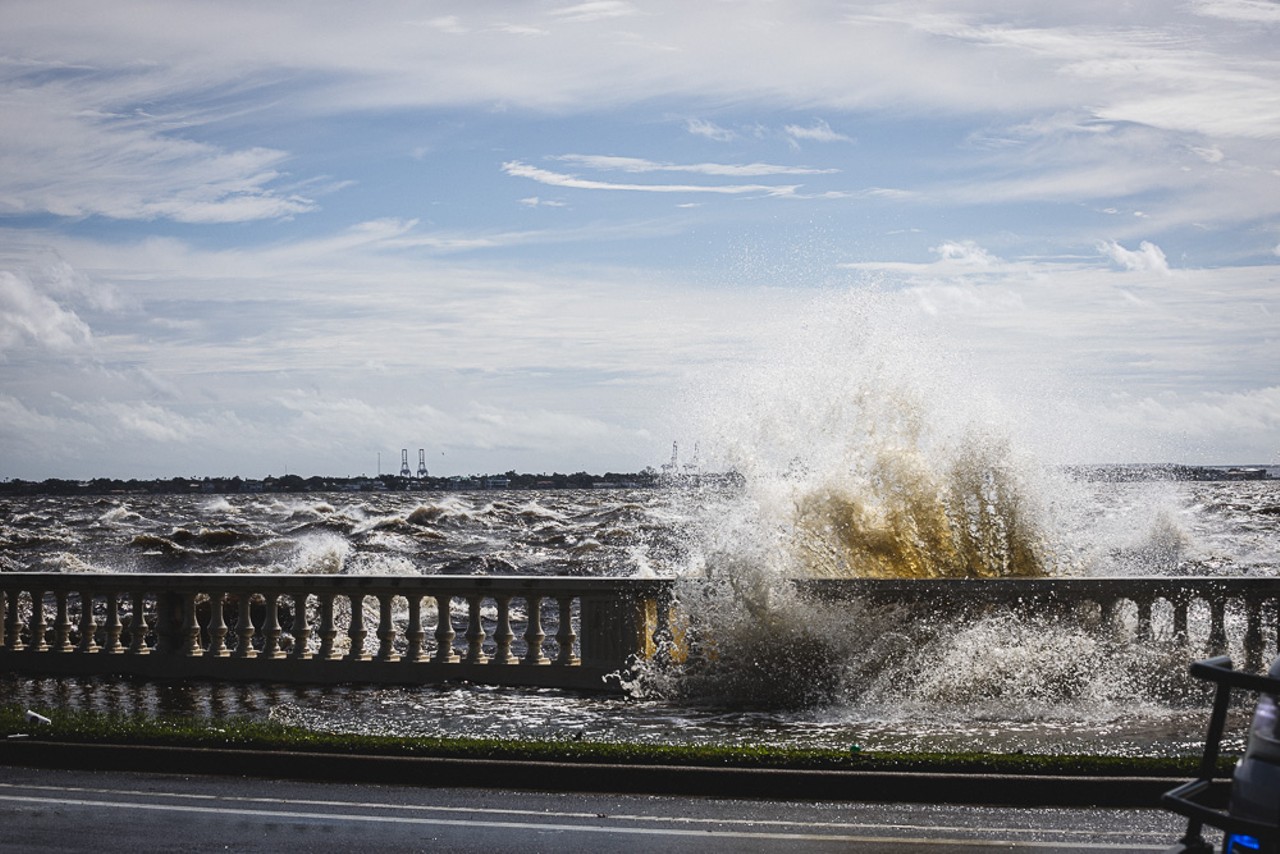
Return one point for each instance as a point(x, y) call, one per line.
point(248, 239)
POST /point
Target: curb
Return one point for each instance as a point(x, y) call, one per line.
point(771, 783)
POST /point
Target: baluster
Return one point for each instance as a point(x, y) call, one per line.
point(244, 627)
point(88, 627)
point(217, 626)
point(113, 627)
point(386, 629)
point(445, 653)
point(686, 646)
point(138, 625)
point(1217, 626)
point(1144, 621)
point(38, 625)
point(62, 624)
point(190, 631)
point(533, 633)
point(168, 624)
point(328, 628)
point(301, 629)
point(414, 633)
point(502, 634)
point(12, 621)
point(564, 632)
point(1274, 610)
point(1180, 621)
point(1253, 646)
point(1111, 615)
point(664, 644)
point(475, 631)
point(356, 632)
point(271, 629)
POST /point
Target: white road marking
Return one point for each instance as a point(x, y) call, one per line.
point(548, 826)
point(588, 815)
point(782, 823)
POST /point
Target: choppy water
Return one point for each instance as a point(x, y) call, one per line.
point(998, 684)
point(1146, 528)
point(603, 532)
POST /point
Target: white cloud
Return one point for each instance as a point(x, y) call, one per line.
point(1147, 257)
point(140, 139)
point(447, 24)
point(640, 165)
point(1181, 88)
point(711, 130)
point(1216, 427)
point(1140, 327)
point(1167, 179)
point(533, 370)
point(63, 154)
point(134, 420)
point(819, 131)
point(1250, 11)
point(29, 318)
point(956, 258)
point(288, 377)
point(522, 30)
point(1211, 154)
point(596, 10)
point(955, 57)
point(966, 253)
point(517, 169)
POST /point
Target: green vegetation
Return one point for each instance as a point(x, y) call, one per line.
point(243, 734)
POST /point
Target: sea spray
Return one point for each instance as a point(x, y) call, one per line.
point(744, 643)
point(319, 554)
point(868, 451)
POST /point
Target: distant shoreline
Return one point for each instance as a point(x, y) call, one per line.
point(645, 479)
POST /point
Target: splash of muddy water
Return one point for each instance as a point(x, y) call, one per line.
point(867, 451)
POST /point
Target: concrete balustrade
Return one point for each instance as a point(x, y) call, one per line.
point(1211, 616)
point(561, 632)
point(328, 629)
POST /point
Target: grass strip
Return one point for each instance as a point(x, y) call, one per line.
point(244, 734)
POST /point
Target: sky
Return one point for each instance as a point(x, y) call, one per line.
point(244, 238)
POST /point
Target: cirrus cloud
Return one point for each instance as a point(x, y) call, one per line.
point(517, 169)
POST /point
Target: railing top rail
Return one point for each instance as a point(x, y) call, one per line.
point(997, 588)
point(1065, 581)
point(427, 584)
point(1007, 588)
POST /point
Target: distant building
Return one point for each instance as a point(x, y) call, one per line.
point(1246, 474)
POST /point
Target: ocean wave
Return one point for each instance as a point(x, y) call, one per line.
point(219, 505)
point(120, 514)
point(67, 562)
point(318, 555)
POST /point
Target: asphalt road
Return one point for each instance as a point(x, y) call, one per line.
point(52, 810)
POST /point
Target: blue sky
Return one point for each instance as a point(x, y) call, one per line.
point(245, 238)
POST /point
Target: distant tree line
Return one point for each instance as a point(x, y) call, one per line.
point(1166, 471)
point(647, 478)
